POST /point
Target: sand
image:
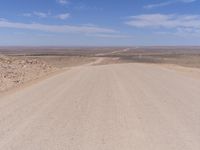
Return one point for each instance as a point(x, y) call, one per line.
point(108, 107)
point(15, 71)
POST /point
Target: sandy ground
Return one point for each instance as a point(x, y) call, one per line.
point(111, 107)
point(64, 61)
point(15, 71)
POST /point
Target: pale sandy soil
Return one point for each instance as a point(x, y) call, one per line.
point(64, 61)
point(188, 71)
point(16, 71)
point(108, 107)
point(19, 70)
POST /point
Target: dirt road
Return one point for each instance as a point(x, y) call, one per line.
point(112, 107)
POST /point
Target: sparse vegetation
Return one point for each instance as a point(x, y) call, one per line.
point(25, 64)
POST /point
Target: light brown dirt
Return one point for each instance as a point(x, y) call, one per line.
point(15, 71)
point(111, 107)
point(64, 61)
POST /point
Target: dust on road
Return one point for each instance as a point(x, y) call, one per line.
point(111, 107)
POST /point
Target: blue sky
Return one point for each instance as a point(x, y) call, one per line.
point(99, 22)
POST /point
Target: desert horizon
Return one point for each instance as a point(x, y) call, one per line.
point(100, 75)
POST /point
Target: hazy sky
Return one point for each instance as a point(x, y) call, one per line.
point(99, 22)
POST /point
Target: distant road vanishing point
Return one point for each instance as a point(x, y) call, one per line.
point(105, 107)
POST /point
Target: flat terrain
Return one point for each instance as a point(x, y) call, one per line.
point(108, 107)
point(182, 56)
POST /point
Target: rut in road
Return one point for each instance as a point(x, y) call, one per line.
point(111, 107)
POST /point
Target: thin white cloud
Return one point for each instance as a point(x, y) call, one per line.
point(83, 7)
point(63, 16)
point(167, 3)
point(54, 28)
point(115, 36)
point(181, 32)
point(158, 4)
point(41, 14)
point(63, 2)
point(3, 19)
point(27, 14)
point(184, 23)
point(165, 21)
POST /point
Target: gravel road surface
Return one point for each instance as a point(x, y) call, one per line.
point(111, 107)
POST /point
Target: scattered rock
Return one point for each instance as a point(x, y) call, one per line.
point(14, 71)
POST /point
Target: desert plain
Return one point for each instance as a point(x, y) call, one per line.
point(95, 98)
